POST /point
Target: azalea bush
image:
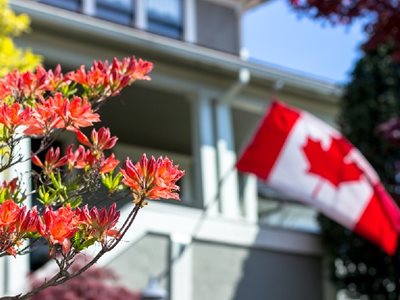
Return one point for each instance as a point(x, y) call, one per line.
point(45, 104)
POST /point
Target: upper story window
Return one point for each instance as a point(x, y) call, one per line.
point(74, 5)
point(165, 17)
point(277, 209)
point(118, 11)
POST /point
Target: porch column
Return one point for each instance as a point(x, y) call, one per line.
point(17, 269)
point(227, 175)
point(181, 275)
point(204, 152)
point(250, 198)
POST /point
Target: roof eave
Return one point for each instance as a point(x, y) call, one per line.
point(194, 55)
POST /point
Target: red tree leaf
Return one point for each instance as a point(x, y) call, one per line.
point(330, 164)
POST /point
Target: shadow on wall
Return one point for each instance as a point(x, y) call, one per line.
point(279, 276)
point(234, 273)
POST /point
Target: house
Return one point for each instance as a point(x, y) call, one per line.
point(228, 238)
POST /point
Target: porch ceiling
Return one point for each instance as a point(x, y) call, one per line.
point(150, 118)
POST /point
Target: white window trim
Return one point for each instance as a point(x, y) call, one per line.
point(189, 21)
point(89, 7)
point(140, 15)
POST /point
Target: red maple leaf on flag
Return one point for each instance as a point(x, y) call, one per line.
point(330, 164)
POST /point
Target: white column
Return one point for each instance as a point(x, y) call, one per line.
point(89, 7)
point(18, 268)
point(250, 198)
point(228, 177)
point(140, 14)
point(3, 270)
point(189, 21)
point(204, 152)
point(181, 267)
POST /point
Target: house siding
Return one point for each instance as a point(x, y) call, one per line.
point(223, 272)
point(212, 18)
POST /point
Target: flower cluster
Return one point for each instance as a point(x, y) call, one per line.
point(152, 178)
point(94, 156)
point(99, 223)
point(58, 227)
point(46, 100)
point(110, 79)
point(15, 224)
point(79, 227)
point(37, 104)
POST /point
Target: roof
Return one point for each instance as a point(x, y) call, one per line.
point(246, 4)
point(191, 55)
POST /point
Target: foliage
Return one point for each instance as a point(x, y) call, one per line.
point(382, 18)
point(370, 99)
point(96, 283)
point(12, 57)
point(44, 104)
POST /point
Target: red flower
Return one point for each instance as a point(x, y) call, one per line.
point(52, 160)
point(9, 214)
point(59, 112)
point(75, 113)
point(59, 226)
point(12, 116)
point(30, 85)
point(136, 69)
point(54, 80)
point(109, 164)
point(78, 158)
point(100, 223)
point(79, 114)
point(27, 221)
point(126, 72)
point(44, 118)
point(94, 78)
point(22, 85)
point(9, 186)
point(9, 211)
point(84, 159)
point(153, 179)
point(110, 79)
point(99, 141)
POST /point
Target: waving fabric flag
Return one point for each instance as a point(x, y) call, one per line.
point(306, 159)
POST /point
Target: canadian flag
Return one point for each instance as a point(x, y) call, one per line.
point(303, 157)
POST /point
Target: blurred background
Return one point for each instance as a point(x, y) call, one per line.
point(218, 65)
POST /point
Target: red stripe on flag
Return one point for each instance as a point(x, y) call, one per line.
point(262, 153)
point(376, 225)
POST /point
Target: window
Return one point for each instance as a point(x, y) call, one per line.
point(276, 209)
point(117, 11)
point(74, 5)
point(164, 17)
